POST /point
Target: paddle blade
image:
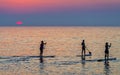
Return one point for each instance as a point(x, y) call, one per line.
point(90, 53)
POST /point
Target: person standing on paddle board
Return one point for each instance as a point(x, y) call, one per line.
point(107, 46)
point(42, 47)
point(83, 47)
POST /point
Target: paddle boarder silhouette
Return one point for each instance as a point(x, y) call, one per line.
point(83, 48)
point(107, 47)
point(42, 47)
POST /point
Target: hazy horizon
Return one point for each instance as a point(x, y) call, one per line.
point(59, 25)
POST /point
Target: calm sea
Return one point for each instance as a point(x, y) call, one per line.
point(17, 44)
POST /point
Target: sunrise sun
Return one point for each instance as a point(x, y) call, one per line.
point(19, 22)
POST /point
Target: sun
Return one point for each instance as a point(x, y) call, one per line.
point(19, 22)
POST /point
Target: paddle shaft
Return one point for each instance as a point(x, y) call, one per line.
point(87, 49)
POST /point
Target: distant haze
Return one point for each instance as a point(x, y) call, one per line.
point(60, 12)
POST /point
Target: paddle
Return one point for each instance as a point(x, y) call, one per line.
point(89, 51)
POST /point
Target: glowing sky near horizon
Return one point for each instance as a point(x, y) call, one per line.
point(57, 8)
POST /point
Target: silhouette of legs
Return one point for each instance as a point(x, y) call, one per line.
point(41, 55)
point(83, 52)
point(106, 58)
point(41, 52)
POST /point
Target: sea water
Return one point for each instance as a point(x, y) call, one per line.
point(17, 44)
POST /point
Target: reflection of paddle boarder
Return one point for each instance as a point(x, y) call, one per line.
point(83, 60)
point(107, 46)
point(42, 47)
point(41, 59)
point(107, 68)
point(83, 47)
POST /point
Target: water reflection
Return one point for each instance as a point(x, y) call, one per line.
point(41, 65)
point(41, 59)
point(83, 60)
point(24, 41)
point(106, 68)
point(42, 71)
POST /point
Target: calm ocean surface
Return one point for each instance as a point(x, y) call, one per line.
point(62, 42)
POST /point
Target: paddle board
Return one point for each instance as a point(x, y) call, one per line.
point(102, 59)
point(85, 55)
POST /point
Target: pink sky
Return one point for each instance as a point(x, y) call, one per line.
point(30, 6)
